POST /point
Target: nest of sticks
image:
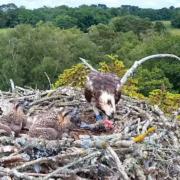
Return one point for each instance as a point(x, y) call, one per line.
point(131, 151)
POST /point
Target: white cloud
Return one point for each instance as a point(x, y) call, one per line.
point(110, 3)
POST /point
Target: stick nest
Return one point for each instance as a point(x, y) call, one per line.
point(145, 144)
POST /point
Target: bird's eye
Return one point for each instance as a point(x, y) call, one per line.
point(109, 102)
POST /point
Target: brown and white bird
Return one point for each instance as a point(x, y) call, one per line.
point(52, 124)
point(14, 121)
point(102, 92)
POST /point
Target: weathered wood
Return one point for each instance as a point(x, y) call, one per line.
point(83, 153)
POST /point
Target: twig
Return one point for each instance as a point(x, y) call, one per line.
point(13, 172)
point(47, 159)
point(12, 159)
point(12, 85)
point(8, 149)
point(92, 155)
point(42, 143)
point(120, 167)
point(50, 84)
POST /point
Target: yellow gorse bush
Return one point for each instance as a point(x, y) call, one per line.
point(167, 101)
point(75, 76)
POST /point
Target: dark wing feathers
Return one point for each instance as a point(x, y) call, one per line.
point(88, 94)
point(97, 81)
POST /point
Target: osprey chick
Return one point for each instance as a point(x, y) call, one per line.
point(14, 121)
point(52, 124)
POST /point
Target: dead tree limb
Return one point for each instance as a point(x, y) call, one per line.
point(12, 85)
point(136, 64)
point(141, 61)
point(87, 64)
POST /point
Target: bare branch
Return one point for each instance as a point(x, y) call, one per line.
point(138, 63)
point(12, 85)
point(87, 64)
point(120, 167)
point(59, 158)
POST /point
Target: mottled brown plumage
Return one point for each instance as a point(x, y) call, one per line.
point(52, 124)
point(14, 121)
point(97, 83)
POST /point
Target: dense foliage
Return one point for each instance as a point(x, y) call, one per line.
point(46, 41)
point(82, 17)
point(27, 52)
point(176, 21)
point(168, 102)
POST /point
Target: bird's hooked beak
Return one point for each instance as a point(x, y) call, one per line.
point(105, 116)
point(111, 116)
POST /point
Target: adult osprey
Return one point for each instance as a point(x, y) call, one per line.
point(102, 92)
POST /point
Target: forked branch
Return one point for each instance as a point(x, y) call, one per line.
point(136, 64)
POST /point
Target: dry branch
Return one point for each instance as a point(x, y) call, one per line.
point(123, 174)
point(14, 173)
point(136, 64)
point(59, 158)
point(87, 64)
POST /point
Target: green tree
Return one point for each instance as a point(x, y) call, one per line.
point(27, 52)
point(159, 27)
point(65, 21)
point(148, 80)
point(176, 21)
point(164, 43)
point(131, 23)
point(103, 36)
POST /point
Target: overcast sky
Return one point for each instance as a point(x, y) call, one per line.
point(31, 4)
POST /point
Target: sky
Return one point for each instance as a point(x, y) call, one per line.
point(33, 4)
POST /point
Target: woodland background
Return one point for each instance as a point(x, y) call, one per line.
point(47, 42)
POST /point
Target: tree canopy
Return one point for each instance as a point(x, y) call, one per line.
point(82, 17)
point(46, 41)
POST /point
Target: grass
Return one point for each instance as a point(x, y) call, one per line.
point(174, 31)
point(4, 30)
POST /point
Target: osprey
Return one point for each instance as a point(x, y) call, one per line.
point(102, 90)
point(13, 122)
point(52, 124)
